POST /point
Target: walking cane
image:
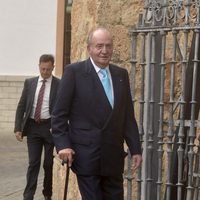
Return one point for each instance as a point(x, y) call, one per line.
point(66, 179)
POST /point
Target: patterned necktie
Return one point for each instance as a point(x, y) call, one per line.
point(105, 80)
point(39, 102)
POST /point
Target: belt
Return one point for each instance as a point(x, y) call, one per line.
point(41, 121)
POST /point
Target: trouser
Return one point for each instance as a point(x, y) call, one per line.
point(100, 187)
point(39, 137)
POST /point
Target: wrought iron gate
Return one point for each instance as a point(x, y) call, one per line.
point(165, 82)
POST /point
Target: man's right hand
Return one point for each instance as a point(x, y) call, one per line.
point(67, 155)
point(19, 136)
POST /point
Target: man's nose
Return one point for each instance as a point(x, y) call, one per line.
point(104, 48)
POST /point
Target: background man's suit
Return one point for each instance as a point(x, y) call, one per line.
point(26, 102)
point(95, 131)
point(38, 135)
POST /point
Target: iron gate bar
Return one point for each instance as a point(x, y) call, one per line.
point(170, 133)
point(187, 123)
point(147, 152)
point(150, 129)
point(133, 62)
point(192, 124)
point(182, 102)
point(141, 102)
point(161, 105)
point(167, 29)
point(196, 173)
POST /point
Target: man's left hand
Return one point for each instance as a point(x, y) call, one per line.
point(137, 161)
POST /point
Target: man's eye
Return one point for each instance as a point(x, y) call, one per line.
point(107, 46)
point(99, 46)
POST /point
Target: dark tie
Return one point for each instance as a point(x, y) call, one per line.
point(106, 85)
point(39, 102)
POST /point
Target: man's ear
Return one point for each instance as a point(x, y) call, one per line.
point(88, 47)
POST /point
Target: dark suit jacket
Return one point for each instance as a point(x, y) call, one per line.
point(26, 102)
point(84, 120)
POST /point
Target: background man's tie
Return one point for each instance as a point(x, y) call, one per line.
point(39, 102)
point(106, 84)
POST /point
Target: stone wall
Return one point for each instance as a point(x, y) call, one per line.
point(10, 92)
point(116, 15)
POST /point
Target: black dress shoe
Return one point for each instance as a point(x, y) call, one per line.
point(47, 198)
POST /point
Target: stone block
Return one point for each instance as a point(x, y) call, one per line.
point(10, 92)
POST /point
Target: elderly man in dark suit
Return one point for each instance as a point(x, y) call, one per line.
point(33, 119)
point(93, 116)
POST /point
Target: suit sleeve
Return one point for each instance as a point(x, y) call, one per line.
point(61, 111)
point(21, 108)
point(131, 133)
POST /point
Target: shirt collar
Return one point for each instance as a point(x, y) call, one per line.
point(97, 69)
point(47, 80)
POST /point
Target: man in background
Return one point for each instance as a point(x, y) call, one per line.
point(93, 116)
point(33, 119)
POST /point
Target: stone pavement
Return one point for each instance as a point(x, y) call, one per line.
point(13, 166)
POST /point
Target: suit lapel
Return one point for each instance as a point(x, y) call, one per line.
point(116, 81)
point(97, 88)
point(33, 89)
point(117, 92)
point(52, 91)
point(31, 94)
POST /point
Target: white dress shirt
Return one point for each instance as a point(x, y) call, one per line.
point(45, 104)
point(97, 69)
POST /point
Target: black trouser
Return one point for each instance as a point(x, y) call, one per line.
point(39, 136)
point(101, 187)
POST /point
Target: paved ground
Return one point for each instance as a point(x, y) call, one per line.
point(13, 165)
